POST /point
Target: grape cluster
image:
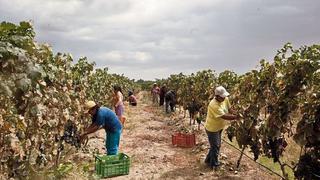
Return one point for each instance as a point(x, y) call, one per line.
point(199, 120)
point(193, 108)
point(41, 158)
point(277, 146)
point(256, 150)
point(308, 166)
point(231, 132)
point(70, 136)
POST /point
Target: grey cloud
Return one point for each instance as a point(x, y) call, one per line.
point(153, 39)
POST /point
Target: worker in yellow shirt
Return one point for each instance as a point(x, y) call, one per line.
point(219, 110)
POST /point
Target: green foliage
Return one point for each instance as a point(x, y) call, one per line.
point(40, 92)
point(199, 87)
point(64, 169)
point(145, 85)
point(266, 100)
point(277, 91)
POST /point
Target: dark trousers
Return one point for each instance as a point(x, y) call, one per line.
point(170, 106)
point(215, 143)
point(161, 100)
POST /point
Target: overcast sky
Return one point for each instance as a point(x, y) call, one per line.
point(155, 38)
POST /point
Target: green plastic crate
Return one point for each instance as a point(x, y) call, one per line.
point(112, 165)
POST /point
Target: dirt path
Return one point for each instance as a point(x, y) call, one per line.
point(147, 140)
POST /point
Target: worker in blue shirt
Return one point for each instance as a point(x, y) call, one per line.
point(103, 117)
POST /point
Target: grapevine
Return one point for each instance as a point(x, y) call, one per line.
point(42, 97)
point(267, 100)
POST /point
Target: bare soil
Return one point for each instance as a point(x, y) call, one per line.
point(147, 139)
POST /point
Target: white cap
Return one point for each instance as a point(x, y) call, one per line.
point(221, 91)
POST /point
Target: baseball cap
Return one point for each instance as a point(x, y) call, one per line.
point(88, 105)
point(221, 91)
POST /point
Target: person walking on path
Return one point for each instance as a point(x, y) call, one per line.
point(103, 117)
point(219, 110)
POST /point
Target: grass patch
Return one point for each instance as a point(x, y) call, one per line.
point(275, 166)
point(268, 162)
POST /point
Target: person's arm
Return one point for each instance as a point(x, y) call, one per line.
point(232, 115)
point(232, 111)
point(219, 112)
point(229, 117)
point(134, 99)
point(91, 129)
point(118, 99)
point(174, 99)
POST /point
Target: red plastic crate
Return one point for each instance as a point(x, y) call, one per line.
point(184, 140)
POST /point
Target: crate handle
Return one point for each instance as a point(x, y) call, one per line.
point(126, 156)
point(97, 157)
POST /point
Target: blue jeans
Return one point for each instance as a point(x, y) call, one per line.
point(112, 142)
point(215, 143)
